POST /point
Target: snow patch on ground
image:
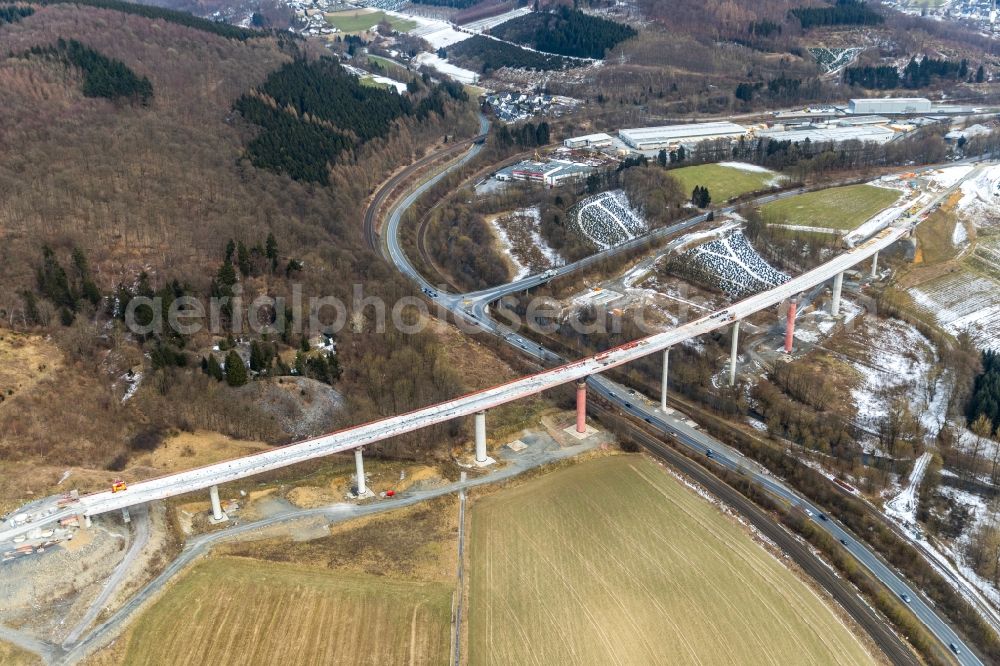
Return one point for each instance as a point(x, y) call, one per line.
point(899, 358)
point(903, 506)
point(980, 202)
point(520, 270)
point(949, 175)
point(775, 180)
point(960, 236)
point(444, 67)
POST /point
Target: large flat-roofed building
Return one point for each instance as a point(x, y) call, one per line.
point(863, 133)
point(656, 138)
point(599, 140)
point(889, 105)
point(551, 173)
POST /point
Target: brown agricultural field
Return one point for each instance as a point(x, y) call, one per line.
point(614, 561)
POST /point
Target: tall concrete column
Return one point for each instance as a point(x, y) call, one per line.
point(793, 307)
point(663, 379)
point(213, 493)
point(734, 353)
point(87, 522)
point(838, 286)
point(874, 265)
point(359, 467)
point(581, 405)
point(480, 437)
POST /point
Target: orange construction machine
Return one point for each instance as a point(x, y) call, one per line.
point(118, 485)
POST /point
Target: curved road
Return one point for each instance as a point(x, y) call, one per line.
point(472, 308)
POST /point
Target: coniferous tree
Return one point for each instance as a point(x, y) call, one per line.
point(236, 371)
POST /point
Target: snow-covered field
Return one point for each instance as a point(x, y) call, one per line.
point(948, 176)
point(981, 198)
point(608, 220)
point(493, 21)
point(443, 66)
point(964, 301)
point(435, 32)
point(899, 358)
point(731, 264)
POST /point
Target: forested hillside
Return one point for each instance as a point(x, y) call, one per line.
point(486, 55)
point(311, 112)
point(565, 31)
point(102, 200)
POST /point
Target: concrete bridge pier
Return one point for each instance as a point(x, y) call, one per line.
point(838, 287)
point(581, 406)
point(481, 437)
point(663, 379)
point(359, 468)
point(87, 522)
point(217, 515)
point(793, 307)
point(874, 265)
point(734, 353)
point(126, 518)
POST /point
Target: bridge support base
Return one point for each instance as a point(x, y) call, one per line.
point(793, 307)
point(126, 518)
point(734, 354)
point(218, 515)
point(581, 406)
point(482, 459)
point(838, 286)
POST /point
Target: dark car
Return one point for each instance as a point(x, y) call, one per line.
point(904, 596)
point(843, 542)
point(954, 648)
point(822, 516)
point(647, 419)
point(709, 453)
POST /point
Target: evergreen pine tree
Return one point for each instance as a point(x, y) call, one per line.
point(271, 251)
point(214, 370)
point(236, 372)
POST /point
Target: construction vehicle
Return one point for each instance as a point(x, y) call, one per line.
point(118, 485)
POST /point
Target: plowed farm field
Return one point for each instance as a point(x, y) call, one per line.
point(614, 561)
point(241, 611)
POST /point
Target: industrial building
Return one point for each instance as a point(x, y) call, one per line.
point(599, 140)
point(864, 133)
point(550, 173)
point(889, 105)
point(657, 138)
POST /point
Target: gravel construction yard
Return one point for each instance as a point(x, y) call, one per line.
point(725, 181)
point(841, 208)
point(241, 611)
point(615, 561)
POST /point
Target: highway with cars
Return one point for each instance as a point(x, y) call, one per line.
point(565, 372)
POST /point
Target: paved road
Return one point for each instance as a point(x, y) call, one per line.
point(886, 639)
point(473, 307)
point(533, 457)
point(140, 521)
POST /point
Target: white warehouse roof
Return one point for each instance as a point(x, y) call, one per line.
point(832, 134)
point(638, 137)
